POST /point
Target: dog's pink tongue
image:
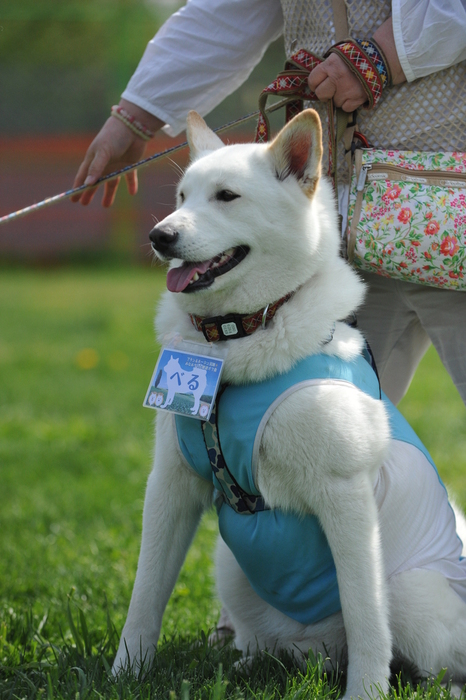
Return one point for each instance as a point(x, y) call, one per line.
point(178, 278)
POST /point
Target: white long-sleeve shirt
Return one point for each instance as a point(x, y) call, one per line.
point(209, 47)
point(430, 35)
point(202, 54)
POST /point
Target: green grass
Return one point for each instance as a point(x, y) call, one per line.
point(76, 357)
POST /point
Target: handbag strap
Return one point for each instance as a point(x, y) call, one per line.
point(346, 123)
point(340, 20)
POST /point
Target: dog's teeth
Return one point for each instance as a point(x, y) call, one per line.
point(224, 258)
point(195, 277)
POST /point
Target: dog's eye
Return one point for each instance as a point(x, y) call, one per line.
point(226, 196)
point(181, 196)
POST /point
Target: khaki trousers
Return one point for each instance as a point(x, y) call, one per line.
point(401, 319)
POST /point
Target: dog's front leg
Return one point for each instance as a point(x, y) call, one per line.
point(175, 499)
point(320, 454)
point(348, 516)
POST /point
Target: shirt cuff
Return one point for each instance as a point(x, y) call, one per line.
point(173, 126)
point(399, 42)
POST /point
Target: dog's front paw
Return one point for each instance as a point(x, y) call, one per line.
point(366, 690)
point(135, 655)
point(244, 664)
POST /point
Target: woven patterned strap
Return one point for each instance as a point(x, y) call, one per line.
point(290, 83)
point(377, 56)
point(231, 491)
point(363, 68)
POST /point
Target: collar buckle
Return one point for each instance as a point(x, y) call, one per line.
point(223, 327)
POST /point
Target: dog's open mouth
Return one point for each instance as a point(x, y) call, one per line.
point(191, 276)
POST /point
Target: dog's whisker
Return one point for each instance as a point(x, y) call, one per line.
point(176, 166)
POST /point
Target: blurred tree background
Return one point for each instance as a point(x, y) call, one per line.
point(62, 65)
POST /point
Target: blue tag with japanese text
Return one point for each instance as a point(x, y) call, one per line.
point(184, 382)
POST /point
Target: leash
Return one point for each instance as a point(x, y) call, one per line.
point(292, 84)
point(365, 59)
point(140, 164)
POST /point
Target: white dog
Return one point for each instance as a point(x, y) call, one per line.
point(343, 538)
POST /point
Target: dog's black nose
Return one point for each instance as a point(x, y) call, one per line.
point(163, 238)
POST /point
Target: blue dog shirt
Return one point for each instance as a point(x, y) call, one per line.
point(286, 558)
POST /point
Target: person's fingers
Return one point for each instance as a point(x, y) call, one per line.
point(110, 190)
point(132, 182)
point(332, 79)
point(98, 165)
point(351, 104)
point(95, 168)
point(81, 175)
point(89, 172)
point(113, 148)
point(87, 196)
point(316, 76)
point(326, 89)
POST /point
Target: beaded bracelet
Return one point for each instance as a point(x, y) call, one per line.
point(364, 68)
point(132, 123)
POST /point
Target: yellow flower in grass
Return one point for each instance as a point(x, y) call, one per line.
point(87, 358)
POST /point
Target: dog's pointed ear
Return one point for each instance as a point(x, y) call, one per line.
point(297, 150)
point(200, 137)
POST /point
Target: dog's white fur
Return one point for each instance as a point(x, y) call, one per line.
point(333, 437)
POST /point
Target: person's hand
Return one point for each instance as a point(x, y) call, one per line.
point(333, 79)
point(114, 147)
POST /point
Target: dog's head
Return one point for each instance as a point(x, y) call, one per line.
point(253, 221)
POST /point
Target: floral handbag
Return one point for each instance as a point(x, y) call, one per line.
point(407, 216)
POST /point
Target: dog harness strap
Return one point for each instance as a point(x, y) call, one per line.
point(230, 490)
point(218, 328)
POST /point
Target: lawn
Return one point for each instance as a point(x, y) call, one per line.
point(76, 357)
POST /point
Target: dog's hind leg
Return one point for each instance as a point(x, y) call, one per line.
point(428, 623)
point(258, 626)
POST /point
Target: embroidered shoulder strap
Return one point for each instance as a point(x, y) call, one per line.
point(231, 491)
